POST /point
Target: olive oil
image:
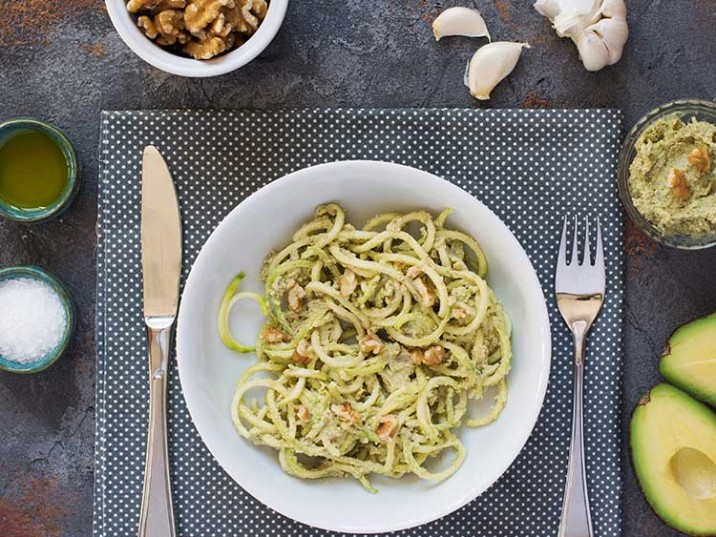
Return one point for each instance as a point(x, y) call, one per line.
point(33, 170)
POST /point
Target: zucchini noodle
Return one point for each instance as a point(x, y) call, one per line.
point(230, 298)
point(375, 344)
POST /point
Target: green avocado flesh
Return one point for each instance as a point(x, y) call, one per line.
point(689, 360)
point(673, 447)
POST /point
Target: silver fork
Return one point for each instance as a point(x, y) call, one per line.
point(580, 295)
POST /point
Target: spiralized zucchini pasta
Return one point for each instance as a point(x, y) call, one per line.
point(376, 341)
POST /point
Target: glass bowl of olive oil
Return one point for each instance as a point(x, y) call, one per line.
point(39, 170)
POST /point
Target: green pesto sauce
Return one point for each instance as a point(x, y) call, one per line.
point(33, 170)
point(665, 146)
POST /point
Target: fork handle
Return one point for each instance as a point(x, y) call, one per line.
point(576, 520)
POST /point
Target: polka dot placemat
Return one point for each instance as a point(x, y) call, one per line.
point(529, 167)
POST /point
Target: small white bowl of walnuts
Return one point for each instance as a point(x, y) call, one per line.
point(197, 38)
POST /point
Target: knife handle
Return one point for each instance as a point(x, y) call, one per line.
point(156, 517)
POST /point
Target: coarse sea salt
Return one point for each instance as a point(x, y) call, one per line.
point(32, 320)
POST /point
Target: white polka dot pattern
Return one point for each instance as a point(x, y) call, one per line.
point(530, 167)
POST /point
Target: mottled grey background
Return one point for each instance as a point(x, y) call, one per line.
point(61, 60)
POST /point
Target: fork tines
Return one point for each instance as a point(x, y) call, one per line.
point(573, 276)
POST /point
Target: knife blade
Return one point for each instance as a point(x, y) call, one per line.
point(161, 268)
point(161, 237)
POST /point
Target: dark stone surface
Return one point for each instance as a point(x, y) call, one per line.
point(62, 61)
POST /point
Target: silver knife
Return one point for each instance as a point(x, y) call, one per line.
point(161, 267)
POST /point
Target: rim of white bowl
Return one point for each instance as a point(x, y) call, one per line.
point(535, 295)
point(172, 63)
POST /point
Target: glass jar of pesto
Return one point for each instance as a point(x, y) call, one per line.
point(667, 174)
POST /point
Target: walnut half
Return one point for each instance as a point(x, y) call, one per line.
point(426, 293)
point(206, 48)
point(296, 298)
point(347, 282)
point(387, 427)
point(302, 353)
point(699, 158)
point(135, 6)
point(148, 27)
point(303, 414)
point(679, 185)
point(201, 13)
point(170, 24)
point(271, 334)
point(432, 356)
point(346, 412)
point(371, 344)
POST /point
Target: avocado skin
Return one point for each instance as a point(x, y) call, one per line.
point(671, 365)
point(647, 398)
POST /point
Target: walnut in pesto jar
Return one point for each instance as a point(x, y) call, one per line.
point(201, 29)
point(672, 180)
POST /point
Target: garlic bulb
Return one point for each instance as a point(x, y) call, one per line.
point(460, 21)
point(597, 27)
point(490, 65)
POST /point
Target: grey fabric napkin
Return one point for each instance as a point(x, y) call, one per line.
point(530, 167)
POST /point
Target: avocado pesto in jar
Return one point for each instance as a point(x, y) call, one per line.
point(671, 179)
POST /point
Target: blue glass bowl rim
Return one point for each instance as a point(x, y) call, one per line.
point(51, 357)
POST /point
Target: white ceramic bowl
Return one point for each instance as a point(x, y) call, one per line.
point(208, 371)
point(126, 25)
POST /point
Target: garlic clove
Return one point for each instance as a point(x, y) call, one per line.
point(548, 8)
point(490, 65)
point(552, 8)
point(613, 8)
point(566, 24)
point(592, 50)
point(613, 34)
point(572, 16)
point(460, 21)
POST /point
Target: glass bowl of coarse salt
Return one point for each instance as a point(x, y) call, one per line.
point(37, 319)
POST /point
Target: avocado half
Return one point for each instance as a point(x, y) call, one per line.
point(673, 448)
point(689, 360)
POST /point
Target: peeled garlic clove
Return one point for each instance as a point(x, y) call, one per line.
point(490, 65)
point(460, 21)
